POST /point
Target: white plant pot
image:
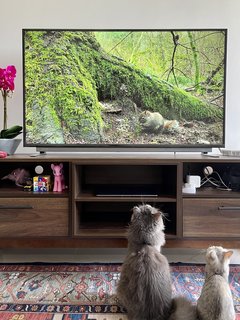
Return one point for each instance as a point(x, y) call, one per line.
point(9, 145)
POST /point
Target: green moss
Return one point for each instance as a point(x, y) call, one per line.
point(147, 91)
point(62, 85)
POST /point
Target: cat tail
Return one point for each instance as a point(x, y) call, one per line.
point(183, 309)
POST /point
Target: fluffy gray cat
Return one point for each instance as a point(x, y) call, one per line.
point(215, 302)
point(145, 287)
point(183, 309)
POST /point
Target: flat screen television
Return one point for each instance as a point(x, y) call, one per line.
point(129, 90)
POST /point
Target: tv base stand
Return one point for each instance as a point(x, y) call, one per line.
point(95, 208)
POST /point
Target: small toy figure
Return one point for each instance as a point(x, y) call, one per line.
point(59, 184)
point(20, 176)
point(28, 186)
point(41, 183)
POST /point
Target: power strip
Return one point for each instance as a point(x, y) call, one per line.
point(230, 153)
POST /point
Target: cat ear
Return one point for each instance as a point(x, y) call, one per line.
point(228, 254)
point(212, 255)
point(135, 210)
point(156, 215)
point(155, 211)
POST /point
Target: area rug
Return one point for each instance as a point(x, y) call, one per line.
point(84, 291)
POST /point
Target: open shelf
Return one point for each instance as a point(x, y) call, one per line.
point(8, 188)
point(144, 181)
point(221, 171)
point(104, 218)
point(106, 193)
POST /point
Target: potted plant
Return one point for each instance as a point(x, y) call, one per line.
point(7, 135)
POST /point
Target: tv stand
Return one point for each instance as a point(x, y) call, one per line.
point(95, 209)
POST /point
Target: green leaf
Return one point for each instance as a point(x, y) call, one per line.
point(11, 132)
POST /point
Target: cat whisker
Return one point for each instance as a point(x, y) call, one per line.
point(165, 216)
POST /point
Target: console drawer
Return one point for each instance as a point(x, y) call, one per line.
point(211, 218)
point(33, 217)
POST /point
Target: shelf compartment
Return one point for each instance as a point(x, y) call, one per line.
point(126, 180)
point(221, 171)
point(112, 218)
point(8, 187)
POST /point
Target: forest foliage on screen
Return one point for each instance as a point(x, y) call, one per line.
point(190, 59)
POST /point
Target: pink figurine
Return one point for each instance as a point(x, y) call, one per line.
point(59, 184)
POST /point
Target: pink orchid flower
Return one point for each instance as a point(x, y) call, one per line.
point(7, 78)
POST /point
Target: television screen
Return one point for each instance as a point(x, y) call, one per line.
point(124, 88)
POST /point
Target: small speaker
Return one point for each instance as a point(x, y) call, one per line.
point(208, 171)
point(39, 169)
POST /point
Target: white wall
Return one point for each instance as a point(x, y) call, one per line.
point(18, 14)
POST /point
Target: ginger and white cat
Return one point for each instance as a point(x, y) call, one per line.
point(215, 301)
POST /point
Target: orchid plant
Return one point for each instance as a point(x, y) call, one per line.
point(7, 86)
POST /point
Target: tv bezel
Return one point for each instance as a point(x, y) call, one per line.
point(204, 148)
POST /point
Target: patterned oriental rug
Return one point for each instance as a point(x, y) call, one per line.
point(84, 291)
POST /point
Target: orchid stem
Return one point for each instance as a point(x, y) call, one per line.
point(4, 93)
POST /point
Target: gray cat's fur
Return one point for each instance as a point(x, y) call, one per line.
point(183, 309)
point(145, 287)
point(215, 302)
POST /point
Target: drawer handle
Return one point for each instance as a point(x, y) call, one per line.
point(15, 207)
point(228, 208)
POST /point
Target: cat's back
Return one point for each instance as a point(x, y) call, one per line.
point(147, 268)
point(148, 260)
point(146, 275)
point(215, 301)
